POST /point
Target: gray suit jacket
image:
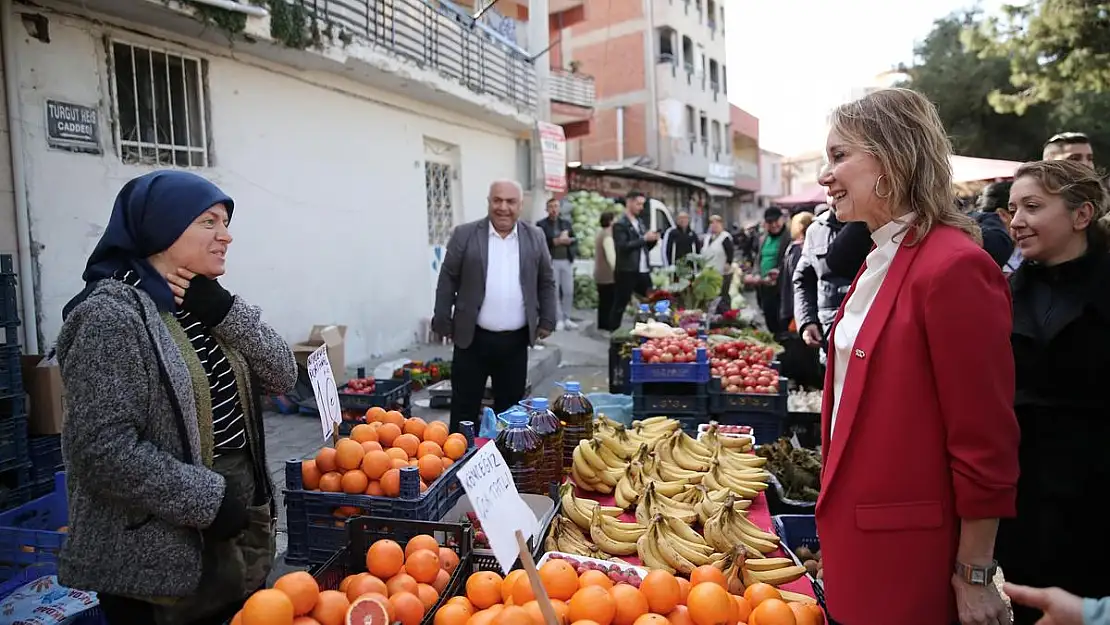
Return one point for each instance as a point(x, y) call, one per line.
point(462, 281)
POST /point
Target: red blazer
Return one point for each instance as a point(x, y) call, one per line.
point(926, 435)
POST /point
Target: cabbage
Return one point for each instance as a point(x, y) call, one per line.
point(586, 209)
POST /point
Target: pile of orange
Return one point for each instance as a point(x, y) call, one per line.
point(400, 585)
point(593, 599)
point(369, 462)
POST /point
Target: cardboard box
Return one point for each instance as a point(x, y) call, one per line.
point(334, 336)
point(43, 383)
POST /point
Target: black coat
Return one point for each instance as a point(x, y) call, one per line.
point(996, 238)
point(629, 244)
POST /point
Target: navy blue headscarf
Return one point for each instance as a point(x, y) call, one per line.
point(150, 214)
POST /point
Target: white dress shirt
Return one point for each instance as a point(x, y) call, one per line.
point(503, 307)
point(859, 303)
point(637, 226)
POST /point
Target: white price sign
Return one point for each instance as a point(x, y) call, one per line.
point(323, 387)
point(489, 485)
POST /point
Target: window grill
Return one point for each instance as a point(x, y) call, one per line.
point(441, 209)
point(159, 107)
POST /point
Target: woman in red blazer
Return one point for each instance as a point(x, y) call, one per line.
point(919, 437)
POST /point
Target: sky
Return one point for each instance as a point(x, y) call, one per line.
point(791, 61)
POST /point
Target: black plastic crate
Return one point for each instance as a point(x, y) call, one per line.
point(722, 402)
point(689, 422)
point(364, 531)
point(46, 456)
point(9, 334)
point(9, 301)
point(13, 405)
point(799, 530)
point(619, 370)
point(766, 427)
point(388, 394)
point(11, 371)
point(13, 443)
point(806, 426)
point(667, 397)
point(17, 488)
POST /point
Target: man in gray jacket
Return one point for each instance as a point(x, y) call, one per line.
point(818, 292)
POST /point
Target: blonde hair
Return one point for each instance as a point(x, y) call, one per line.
point(901, 128)
point(1076, 184)
point(799, 223)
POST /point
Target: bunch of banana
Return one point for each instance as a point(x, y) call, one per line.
point(566, 537)
point(692, 495)
point(652, 430)
point(738, 460)
point(676, 545)
point(579, 510)
point(728, 528)
point(614, 537)
point(629, 487)
point(747, 483)
point(714, 500)
point(652, 502)
point(650, 473)
point(591, 471)
point(671, 452)
point(713, 439)
point(773, 571)
point(617, 442)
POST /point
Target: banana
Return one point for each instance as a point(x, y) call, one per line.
point(579, 510)
point(590, 455)
point(607, 543)
point(618, 444)
point(671, 452)
point(694, 446)
point(736, 460)
point(767, 564)
point(570, 539)
point(725, 529)
point(666, 550)
point(627, 491)
point(796, 597)
point(687, 533)
point(649, 553)
point(778, 577)
point(609, 457)
point(621, 531)
point(674, 473)
point(753, 530)
point(585, 482)
point(652, 503)
point(713, 437)
point(691, 495)
point(650, 421)
point(586, 477)
point(718, 480)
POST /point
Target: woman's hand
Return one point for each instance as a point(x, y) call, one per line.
point(980, 605)
point(179, 283)
point(1059, 606)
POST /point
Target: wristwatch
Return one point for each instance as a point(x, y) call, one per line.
point(976, 575)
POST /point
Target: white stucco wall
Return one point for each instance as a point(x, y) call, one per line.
point(770, 174)
point(328, 178)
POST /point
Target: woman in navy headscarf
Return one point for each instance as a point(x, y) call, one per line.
point(171, 516)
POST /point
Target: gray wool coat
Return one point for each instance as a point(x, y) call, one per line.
point(136, 507)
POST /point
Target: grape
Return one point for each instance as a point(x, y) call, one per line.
point(634, 582)
point(555, 556)
point(581, 569)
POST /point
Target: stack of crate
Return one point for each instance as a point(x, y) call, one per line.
point(27, 465)
point(676, 390)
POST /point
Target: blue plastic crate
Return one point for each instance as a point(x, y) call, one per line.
point(722, 402)
point(28, 533)
point(17, 488)
point(315, 520)
point(91, 616)
point(11, 371)
point(46, 456)
point(799, 530)
point(642, 372)
point(13, 442)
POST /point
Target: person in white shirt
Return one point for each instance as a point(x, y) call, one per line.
point(494, 298)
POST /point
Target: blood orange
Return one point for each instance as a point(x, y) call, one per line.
point(368, 610)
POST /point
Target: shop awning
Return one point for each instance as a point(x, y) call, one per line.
point(971, 169)
point(810, 195)
point(631, 169)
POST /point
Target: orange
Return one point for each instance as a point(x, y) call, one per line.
point(310, 475)
point(237, 619)
point(346, 583)
point(464, 602)
point(365, 584)
point(423, 565)
point(509, 583)
point(451, 614)
point(584, 622)
point(414, 426)
point(348, 454)
point(710, 604)
point(428, 595)
point(408, 607)
point(743, 609)
point(592, 603)
point(354, 482)
point(363, 433)
point(436, 432)
point(391, 483)
point(683, 589)
point(484, 617)
point(773, 612)
point(483, 588)
point(448, 559)
point(325, 460)
point(429, 448)
point(662, 591)
point(522, 591)
point(331, 608)
point(408, 443)
point(388, 433)
point(442, 579)
point(395, 418)
point(430, 467)
point(652, 619)
point(268, 607)
point(533, 610)
point(301, 589)
point(397, 463)
point(421, 541)
point(512, 615)
point(385, 602)
point(594, 577)
point(375, 414)
point(331, 482)
point(559, 579)
point(804, 615)
point(370, 446)
point(300, 620)
point(375, 464)
point(631, 604)
point(396, 453)
point(759, 592)
point(708, 573)
point(374, 488)
point(446, 462)
point(384, 559)
point(680, 616)
point(454, 448)
point(401, 582)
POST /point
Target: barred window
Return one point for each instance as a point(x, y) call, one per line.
point(159, 105)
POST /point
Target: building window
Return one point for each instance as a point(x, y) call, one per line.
point(441, 208)
point(159, 107)
point(716, 139)
point(691, 128)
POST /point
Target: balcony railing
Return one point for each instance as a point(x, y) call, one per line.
point(439, 36)
point(572, 88)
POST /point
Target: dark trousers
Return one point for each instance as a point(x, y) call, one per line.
point(626, 283)
point(725, 303)
point(770, 303)
point(500, 356)
point(126, 611)
point(605, 294)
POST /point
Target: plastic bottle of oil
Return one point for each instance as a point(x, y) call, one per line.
point(522, 450)
point(544, 423)
point(577, 415)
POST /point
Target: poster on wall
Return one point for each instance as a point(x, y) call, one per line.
point(553, 145)
point(72, 127)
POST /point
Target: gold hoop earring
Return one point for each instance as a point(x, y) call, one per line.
point(881, 196)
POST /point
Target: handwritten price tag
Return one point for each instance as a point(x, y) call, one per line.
point(323, 387)
point(489, 485)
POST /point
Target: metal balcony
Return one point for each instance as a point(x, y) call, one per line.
point(572, 88)
point(438, 36)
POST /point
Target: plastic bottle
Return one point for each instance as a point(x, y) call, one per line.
point(577, 414)
point(644, 314)
point(522, 450)
point(544, 423)
point(663, 312)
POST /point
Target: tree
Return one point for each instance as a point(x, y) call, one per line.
point(959, 82)
point(1054, 48)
